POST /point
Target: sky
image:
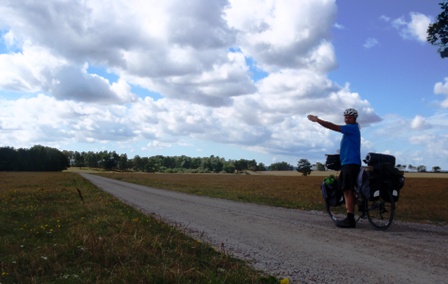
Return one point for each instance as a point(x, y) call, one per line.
point(229, 78)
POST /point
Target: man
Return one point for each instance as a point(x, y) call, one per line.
point(350, 153)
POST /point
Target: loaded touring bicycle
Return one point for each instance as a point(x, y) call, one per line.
point(376, 193)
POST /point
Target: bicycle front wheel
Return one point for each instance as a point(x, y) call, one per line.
point(380, 211)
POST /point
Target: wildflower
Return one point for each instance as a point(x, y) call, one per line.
point(44, 257)
point(4, 274)
point(284, 281)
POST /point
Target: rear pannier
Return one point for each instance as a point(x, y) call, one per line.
point(380, 161)
point(379, 177)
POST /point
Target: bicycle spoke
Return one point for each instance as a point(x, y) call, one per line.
point(379, 212)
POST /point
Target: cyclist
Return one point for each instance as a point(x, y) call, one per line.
point(350, 154)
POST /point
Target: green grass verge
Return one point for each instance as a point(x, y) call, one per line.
point(51, 233)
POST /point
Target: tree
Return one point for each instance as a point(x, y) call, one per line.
point(438, 31)
point(123, 162)
point(8, 157)
point(108, 160)
point(421, 169)
point(90, 159)
point(78, 159)
point(138, 164)
point(401, 167)
point(37, 158)
point(304, 167)
point(436, 169)
point(261, 167)
point(150, 166)
point(252, 165)
point(55, 160)
point(281, 166)
point(240, 165)
point(320, 167)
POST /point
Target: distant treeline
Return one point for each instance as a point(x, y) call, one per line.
point(41, 158)
point(37, 158)
point(110, 160)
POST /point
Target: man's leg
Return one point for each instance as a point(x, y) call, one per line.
point(349, 201)
point(347, 178)
point(349, 221)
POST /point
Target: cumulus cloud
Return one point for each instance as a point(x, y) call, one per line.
point(415, 28)
point(199, 56)
point(419, 122)
point(283, 34)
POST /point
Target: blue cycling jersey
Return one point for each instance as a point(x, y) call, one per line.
point(350, 151)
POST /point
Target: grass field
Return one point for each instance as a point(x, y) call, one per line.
point(326, 173)
point(422, 199)
point(53, 233)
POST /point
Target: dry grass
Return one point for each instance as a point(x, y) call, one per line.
point(285, 191)
point(422, 199)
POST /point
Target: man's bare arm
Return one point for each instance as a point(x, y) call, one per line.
point(325, 123)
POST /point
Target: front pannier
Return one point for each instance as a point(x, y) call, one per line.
point(333, 162)
point(331, 193)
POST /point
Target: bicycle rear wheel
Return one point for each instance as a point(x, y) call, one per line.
point(380, 212)
point(339, 213)
point(336, 213)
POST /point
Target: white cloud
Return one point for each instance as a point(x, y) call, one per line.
point(415, 28)
point(442, 89)
point(339, 26)
point(419, 122)
point(371, 42)
point(421, 139)
point(194, 54)
point(384, 18)
point(282, 34)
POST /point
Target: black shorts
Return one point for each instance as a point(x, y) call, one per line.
point(348, 177)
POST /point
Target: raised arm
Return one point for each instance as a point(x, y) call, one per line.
point(324, 123)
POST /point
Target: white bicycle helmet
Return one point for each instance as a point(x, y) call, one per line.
point(351, 112)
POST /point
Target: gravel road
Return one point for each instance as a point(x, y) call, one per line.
point(304, 246)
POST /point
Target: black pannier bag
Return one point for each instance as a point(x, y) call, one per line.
point(380, 161)
point(367, 185)
point(331, 193)
point(333, 162)
point(395, 183)
point(382, 177)
point(371, 184)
